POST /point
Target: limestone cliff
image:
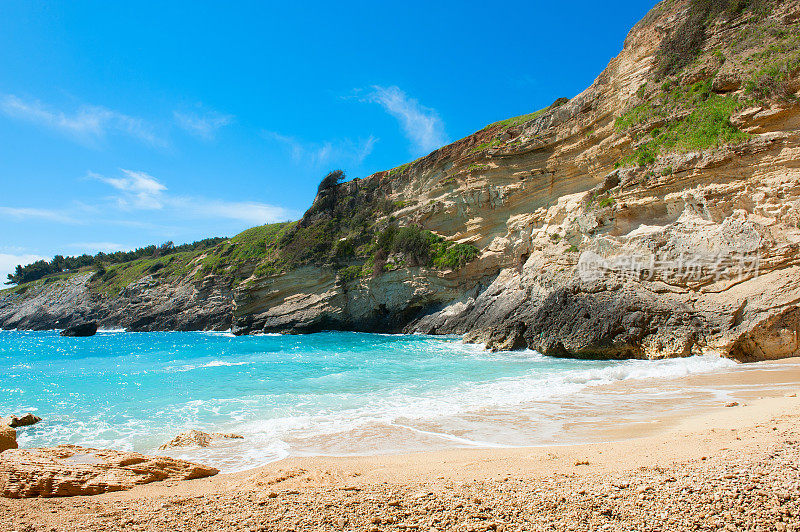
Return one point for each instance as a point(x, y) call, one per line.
point(655, 214)
point(710, 207)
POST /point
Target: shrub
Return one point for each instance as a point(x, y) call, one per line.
point(773, 80)
point(414, 244)
point(349, 273)
point(344, 249)
point(456, 256)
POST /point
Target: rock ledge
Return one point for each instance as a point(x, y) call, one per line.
point(69, 470)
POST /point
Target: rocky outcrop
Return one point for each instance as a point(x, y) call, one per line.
point(69, 470)
point(21, 421)
point(196, 438)
point(312, 299)
point(8, 437)
point(146, 304)
point(84, 329)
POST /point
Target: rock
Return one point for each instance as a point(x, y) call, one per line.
point(730, 405)
point(196, 438)
point(22, 421)
point(88, 328)
point(8, 438)
point(69, 470)
point(183, 304)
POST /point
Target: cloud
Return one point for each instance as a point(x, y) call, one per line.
point(141, 191)
point(344, 151)
point(8, 263)
point(29, 213)
point(204, 126)
point(249, 212)
point(94, 247)
point(421, 125)
point(89, 124)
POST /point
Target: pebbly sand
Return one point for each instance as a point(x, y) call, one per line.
point(723, 468)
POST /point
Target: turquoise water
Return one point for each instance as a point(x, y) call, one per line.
point(326, 393)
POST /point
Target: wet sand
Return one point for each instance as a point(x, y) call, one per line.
point(734, 468)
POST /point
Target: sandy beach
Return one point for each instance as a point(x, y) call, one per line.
point(728, 467)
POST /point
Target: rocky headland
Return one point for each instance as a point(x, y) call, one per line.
point(653, 215)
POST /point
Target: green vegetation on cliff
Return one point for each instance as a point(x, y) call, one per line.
point(757, 66)
point(689, 118)
point(686, 43)
point(60, 264)
point(349, 227)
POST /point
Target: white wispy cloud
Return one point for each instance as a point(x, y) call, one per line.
point(244, 211)
point(88, 124)
point(142, 191)
point(139, 190)
point(345, 151)
point(8, 263)
point(94, 247)
point(203, 125)
point(31, 213)
point(421, 125)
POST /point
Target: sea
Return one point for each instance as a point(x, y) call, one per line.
point(332, 393)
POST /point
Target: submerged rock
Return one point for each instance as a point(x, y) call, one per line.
point(196, 438)
point(8, 438)
point(88, 328)
point(69, 470)
point(21, 421)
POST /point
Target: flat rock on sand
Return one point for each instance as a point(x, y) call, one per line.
point(196, 438)
point(8, 438)
point(69, 470)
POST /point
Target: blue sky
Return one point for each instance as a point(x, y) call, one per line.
point(124, 124)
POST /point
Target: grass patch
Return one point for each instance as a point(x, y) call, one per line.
point(517, 120)
point(485, 145)
point(696, 119)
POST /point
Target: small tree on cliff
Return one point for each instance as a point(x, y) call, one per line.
point(331, 180)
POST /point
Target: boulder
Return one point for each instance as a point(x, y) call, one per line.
point(8, 438)
point(88, 328)
point(22, 421)
point(69, 470)
point(196, 438)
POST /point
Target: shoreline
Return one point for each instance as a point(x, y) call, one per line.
point(437, 489)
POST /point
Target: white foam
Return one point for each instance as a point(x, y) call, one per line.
point(226, 334)
point(219, 363)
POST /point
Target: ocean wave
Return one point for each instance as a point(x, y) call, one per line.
point(212, 364)
point(331, 393)
point(226, 334)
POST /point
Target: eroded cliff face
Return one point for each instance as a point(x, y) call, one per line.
point(583, 253)
point(653, 215)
